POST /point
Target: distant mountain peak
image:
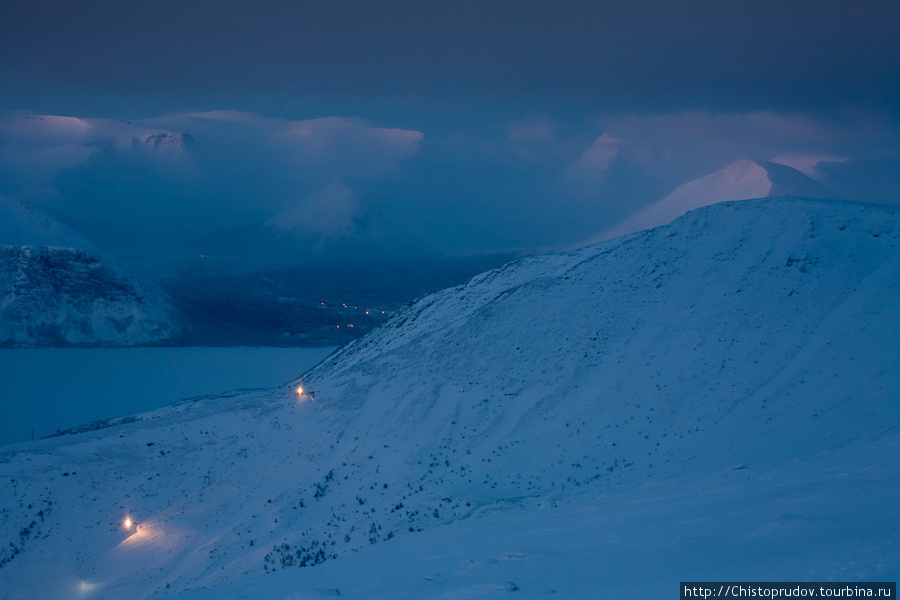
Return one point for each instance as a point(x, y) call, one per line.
point(165, 139)
point(742, 179)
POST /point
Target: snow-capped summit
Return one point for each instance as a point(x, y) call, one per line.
point(721, 383)
point(741, 180)
point(164, 139)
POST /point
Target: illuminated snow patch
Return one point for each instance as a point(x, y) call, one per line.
point(143, 533)
point(86, 587)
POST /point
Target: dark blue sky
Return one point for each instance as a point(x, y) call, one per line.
point(499, 102)
point(288, 57)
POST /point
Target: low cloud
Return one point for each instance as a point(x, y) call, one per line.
point(532, 184)
point(346, 147)
point(199, 171)
point(691, 143)
point(326, 215)
point(35, 148)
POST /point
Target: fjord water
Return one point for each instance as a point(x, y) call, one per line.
point(48, 389)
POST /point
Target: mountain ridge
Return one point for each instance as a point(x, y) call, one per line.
point(69, 297)
point(742, 179)
point(749, 335)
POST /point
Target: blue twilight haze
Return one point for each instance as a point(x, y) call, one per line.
point(436, 128)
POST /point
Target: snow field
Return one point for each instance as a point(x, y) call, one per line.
point(714, 399)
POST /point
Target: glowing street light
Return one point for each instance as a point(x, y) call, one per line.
point(299, 390)
point(128, 523)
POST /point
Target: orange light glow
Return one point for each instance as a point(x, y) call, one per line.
point(299, 390)
point(128, 523)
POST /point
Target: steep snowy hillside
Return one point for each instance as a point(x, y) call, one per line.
point(67, 297)
point(741, 180)
point(57, 289)
point(716, 397)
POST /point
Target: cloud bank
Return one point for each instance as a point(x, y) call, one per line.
point(199, 172)
point(172, 183)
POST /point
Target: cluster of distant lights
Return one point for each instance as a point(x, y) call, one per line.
point(350, 324)
point(344, 305)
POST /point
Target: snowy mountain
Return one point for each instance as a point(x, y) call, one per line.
point(712, 399)
point(741, 180)
point(68, 140)
point(68, 297)
point(164, 139)
point(57, 289)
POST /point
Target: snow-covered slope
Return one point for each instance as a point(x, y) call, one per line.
point(709, 399)
point(741, 180)
point(68, 297)
point(57, 289)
